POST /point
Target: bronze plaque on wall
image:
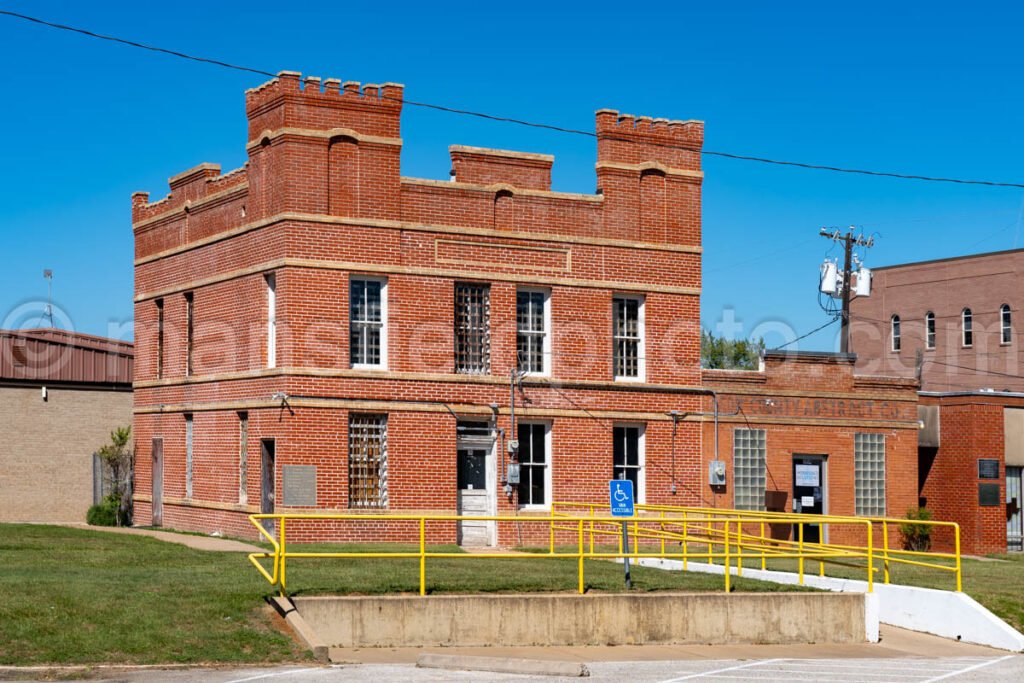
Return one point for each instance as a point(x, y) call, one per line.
point(988, 495)
point(988, 468)
point(299, 483)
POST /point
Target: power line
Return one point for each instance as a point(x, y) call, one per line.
point(530, 124)
point(808, 334)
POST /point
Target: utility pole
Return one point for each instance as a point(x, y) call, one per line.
point(849, 241)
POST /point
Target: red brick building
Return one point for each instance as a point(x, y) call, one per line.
point(951, 323)
point(318, 332)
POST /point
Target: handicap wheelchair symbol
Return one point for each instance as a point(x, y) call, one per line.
point(620, 495)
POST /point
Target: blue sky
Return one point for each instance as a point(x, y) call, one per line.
point(928, 88)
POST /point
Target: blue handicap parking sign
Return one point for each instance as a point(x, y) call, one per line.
point(620, 495)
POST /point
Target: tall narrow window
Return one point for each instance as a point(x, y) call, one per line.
point(895, 324)
point(869, 474)
point(243, 457)
point(189, 331)
point(472, 328)
point(749, 453)
point(532, 338)
point(271, 320)
point(367, 322)
point(929, 330)
point(534, 475)
point(628, 457)
point(188, 456)
point(1005, 324)
point(967, 327)
point(159, 338)
point(628, 337)
point(367, 461)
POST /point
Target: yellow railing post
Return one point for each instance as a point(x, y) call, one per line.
point(871, 557)
point(580, 560)
point(959, 575)
point(662, 534)
point(764, 542)
point(284, 556)
point(423, 556)
point(800, 546)
point(686, 541)
point(739, 548)
point(591, 529)
point(551, 540)
point(728, 576)
point(636, 538)
point(885, 549)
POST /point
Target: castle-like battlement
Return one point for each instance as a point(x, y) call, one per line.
point(612, 123)
point(323, 91)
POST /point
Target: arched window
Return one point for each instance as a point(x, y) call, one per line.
point(966, 327)
point(929, 330)
point(1005, 323)
point(895, 322)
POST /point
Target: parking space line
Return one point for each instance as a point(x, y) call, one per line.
point(975, 667)
point(274, 674)
point(716, 671)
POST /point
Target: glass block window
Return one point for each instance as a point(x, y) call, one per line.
point(627, 456)
point(869, 474)
point(367, 461)
point(1006, 329)
point(367, 320)
point(749, 454)
point(472, 328)
point(929, 330)
point(531, 331)
point(967, 327)
point(534, 481)
point(627, 336)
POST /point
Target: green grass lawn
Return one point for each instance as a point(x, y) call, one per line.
point(76, 596)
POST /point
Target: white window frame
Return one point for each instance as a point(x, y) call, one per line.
point(545, 350)
point(1005, 325)
point(929, 331)
point(271, 281)
point(243, 457)
point(547, 465)
point(641, 349)
point(966, 320)
point(641, 475)
point(895, 333)
point(189, 453)
point(383, 364)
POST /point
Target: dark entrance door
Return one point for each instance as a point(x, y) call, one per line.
point(809, 493)
point(157, 481)
point(267, 482)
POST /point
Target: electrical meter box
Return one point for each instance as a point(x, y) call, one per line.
point(513, 474)
point(716, 473)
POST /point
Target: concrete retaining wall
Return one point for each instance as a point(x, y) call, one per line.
point(596, 619)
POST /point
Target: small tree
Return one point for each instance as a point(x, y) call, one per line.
point(917, 536)
point(118, 457)
point(729, 354)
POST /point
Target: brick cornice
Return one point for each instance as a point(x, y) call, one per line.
point(633, 169)
point(273, 135)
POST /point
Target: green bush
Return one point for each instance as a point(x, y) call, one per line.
point(105, 513)
point(917, 536)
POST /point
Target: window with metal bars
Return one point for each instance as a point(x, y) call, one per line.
point(367, 461)
point(367, 322)
point(749, 474)
point(628, 336)
point(472, 328)
point(531, 331)
point(869, 474)
point(534, 481)
point(627, 456)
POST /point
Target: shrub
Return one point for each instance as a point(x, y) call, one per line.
point(105, 513)
point(917, 536)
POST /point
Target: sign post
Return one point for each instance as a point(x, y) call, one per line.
point(620, 498)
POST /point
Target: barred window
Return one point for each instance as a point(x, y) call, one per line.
point(534, 480)
point(929, 330)
point(531, 331)
point(869, 474)
point(627, 456)
point(628, 336)
point(472, 328)
point(368, 461)
point(367, 322)
point(749, 452)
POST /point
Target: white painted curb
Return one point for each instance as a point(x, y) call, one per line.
point(943, 613)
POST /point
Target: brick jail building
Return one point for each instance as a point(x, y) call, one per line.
point(317, 332)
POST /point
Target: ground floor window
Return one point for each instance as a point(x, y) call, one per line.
point(628, 456)
point(534, 465)
point(749, 451)
point(367, 461)
point(869, 474)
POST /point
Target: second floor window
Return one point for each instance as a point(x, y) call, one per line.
point(472, 328)
point(967, 327)
point(929, 330)
point(1006, 330)
point(190, 316)
point(532, 331)
point(628, 336)
point(368, 322)
point(895, 321)
point(271, 320)
point(159, 338)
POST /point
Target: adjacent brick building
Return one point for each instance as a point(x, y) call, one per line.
point(61, 394)
point(950, 322)
point(319, 332)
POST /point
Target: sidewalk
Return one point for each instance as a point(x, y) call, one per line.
point(197, 542)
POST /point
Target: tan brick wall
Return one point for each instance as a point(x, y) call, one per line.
point(46, 449)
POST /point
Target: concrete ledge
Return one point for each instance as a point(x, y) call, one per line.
point(504, 665)
point(286, 608)
point(595, 619)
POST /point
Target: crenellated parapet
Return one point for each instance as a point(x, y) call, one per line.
point(628, 139)
point(192, 188)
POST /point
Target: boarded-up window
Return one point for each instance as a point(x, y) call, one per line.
point(367, 461)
